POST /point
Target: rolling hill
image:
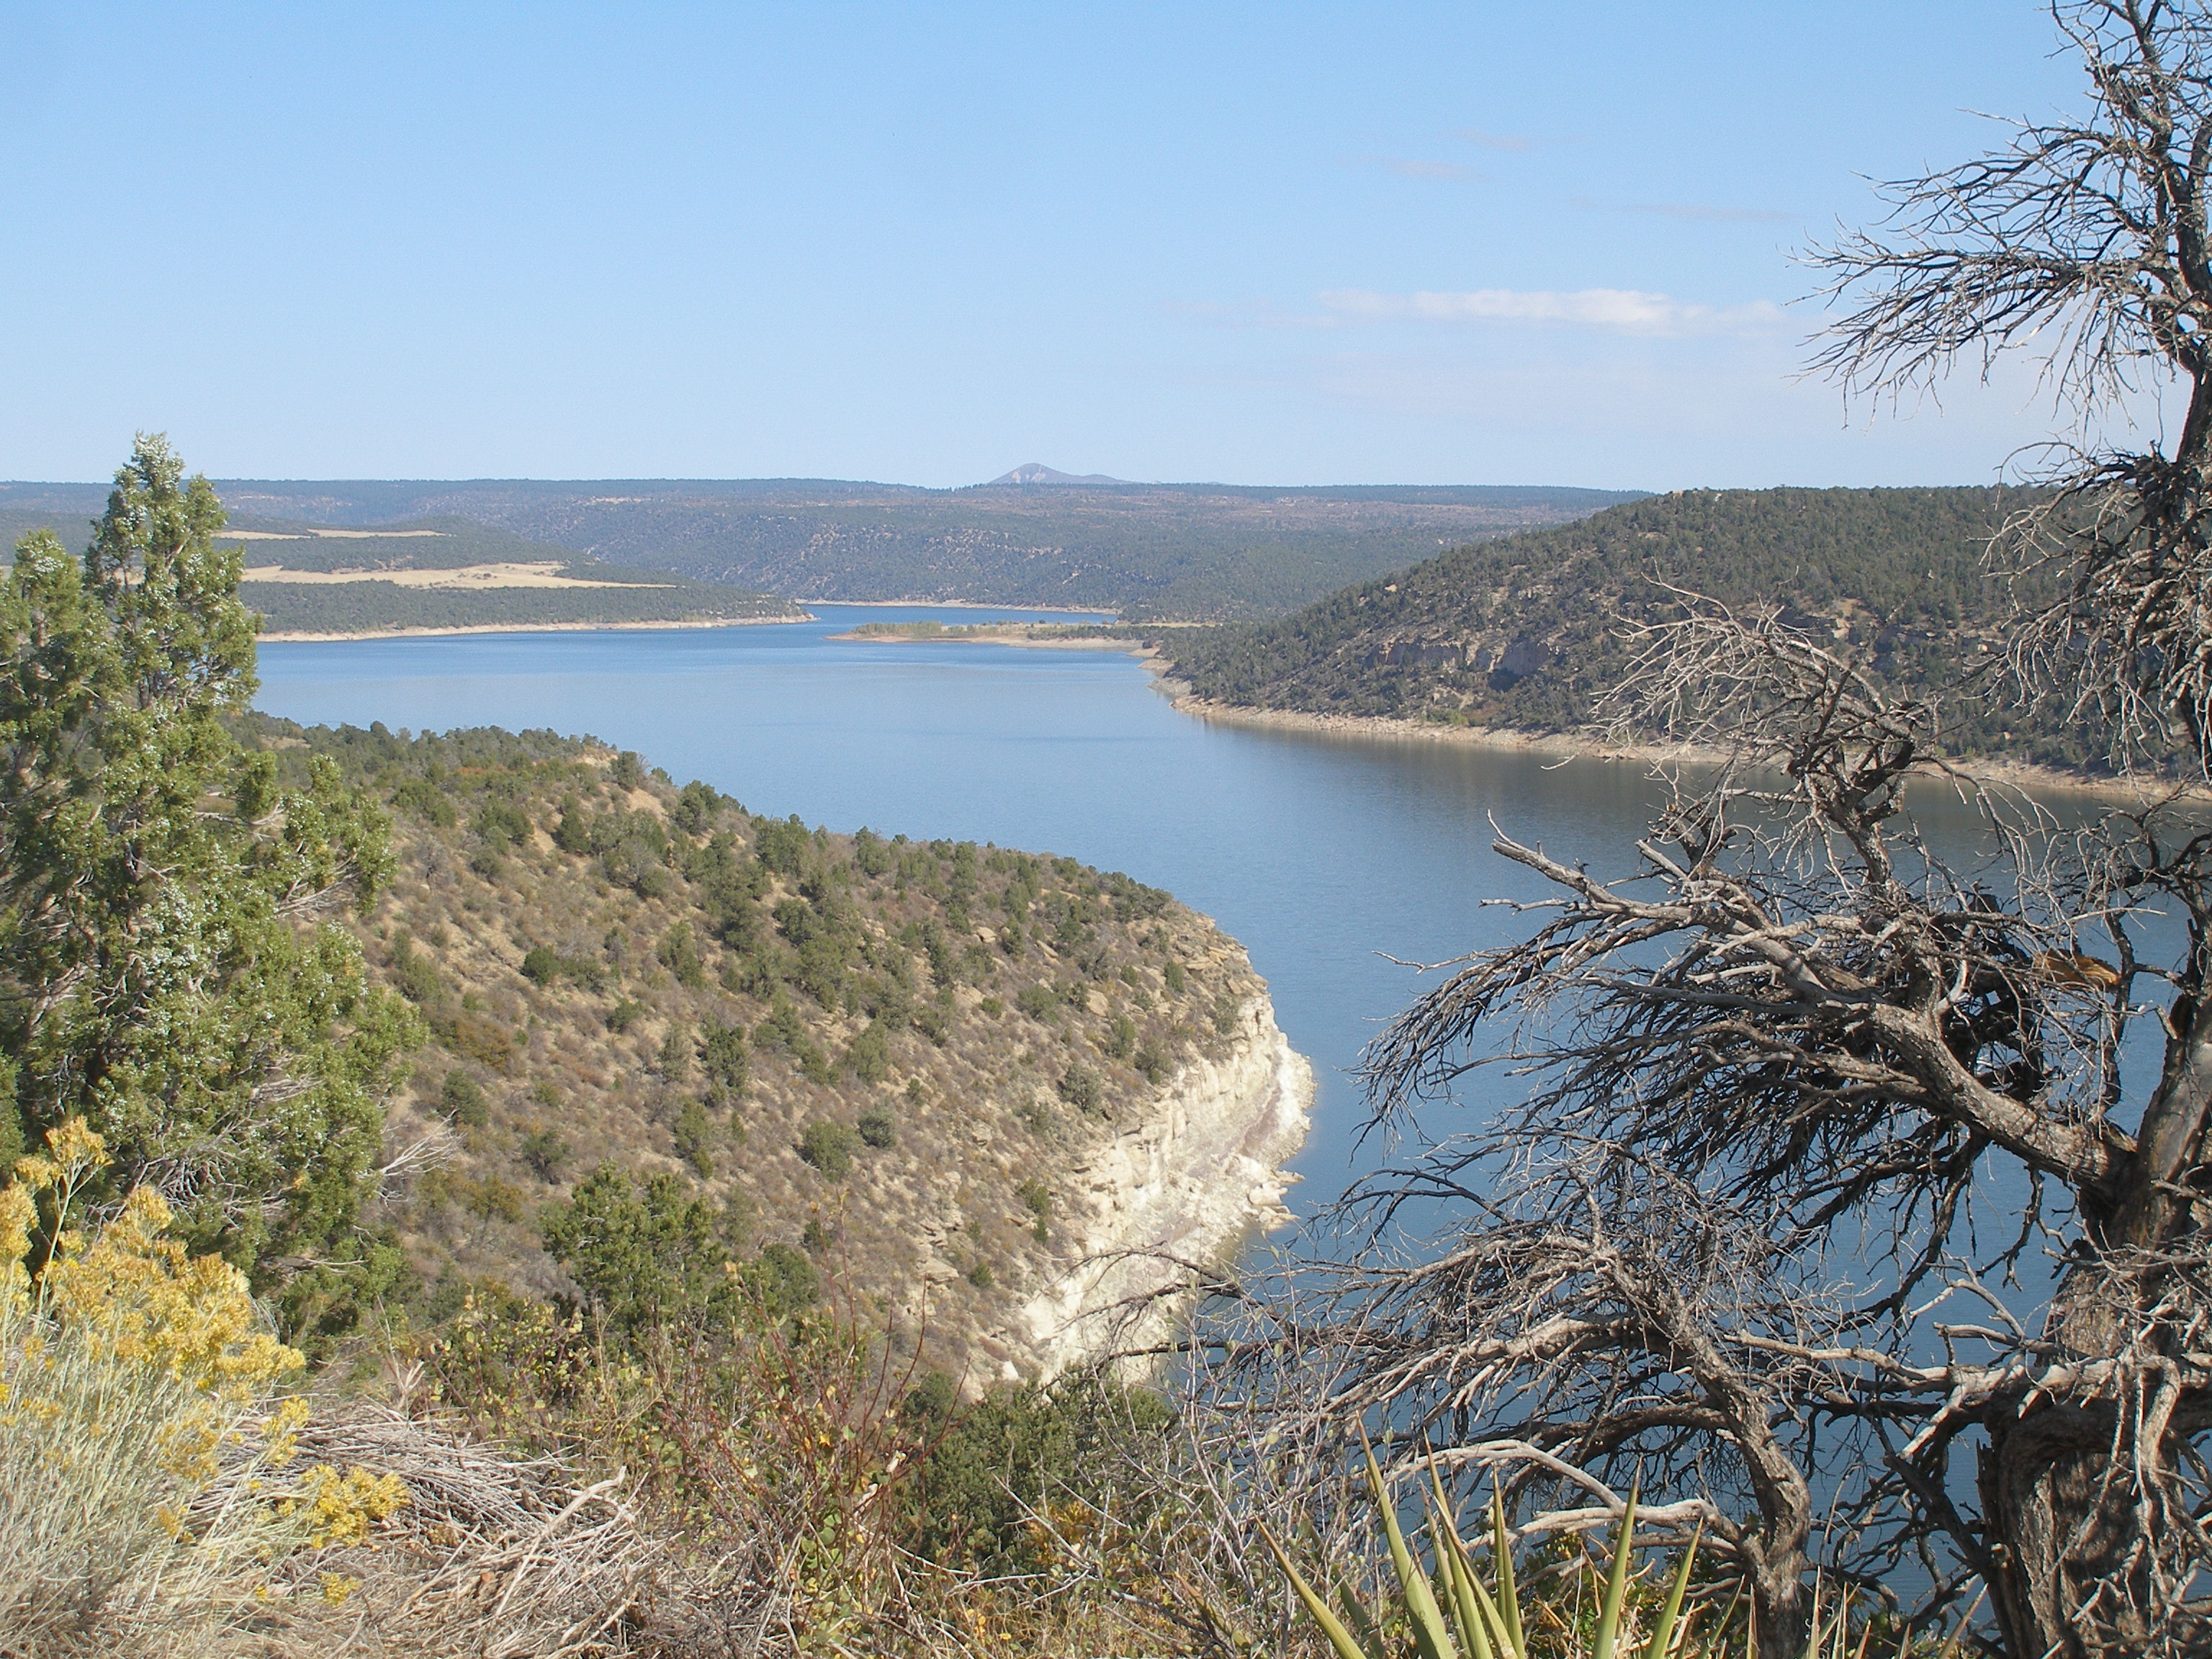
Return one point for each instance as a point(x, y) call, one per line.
point(904, 1063)
point(1522, 633)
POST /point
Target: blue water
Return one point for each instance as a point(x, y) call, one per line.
point(1326, 856)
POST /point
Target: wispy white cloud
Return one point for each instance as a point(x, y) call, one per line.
point(1620, 310)
point(1477, 137)
point(1706, 211)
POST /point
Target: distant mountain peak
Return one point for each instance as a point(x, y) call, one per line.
point(1036, 472)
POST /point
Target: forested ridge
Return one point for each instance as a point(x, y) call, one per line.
point(1525, 632)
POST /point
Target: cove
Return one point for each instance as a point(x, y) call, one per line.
point(1326, 855)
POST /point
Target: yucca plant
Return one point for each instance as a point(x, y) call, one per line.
point(1452, 1614)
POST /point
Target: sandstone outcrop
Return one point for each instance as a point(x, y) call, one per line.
point(1172, 1196)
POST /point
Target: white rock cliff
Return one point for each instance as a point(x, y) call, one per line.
point(1176, 1192)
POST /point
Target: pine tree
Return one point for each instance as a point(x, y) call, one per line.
point(170, 969)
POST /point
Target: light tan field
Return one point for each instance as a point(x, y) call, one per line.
point(473, 577)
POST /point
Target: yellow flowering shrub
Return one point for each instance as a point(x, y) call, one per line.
point(17, 1215)
point(138, 1297)
point(141, 1433)
point(339, 1509)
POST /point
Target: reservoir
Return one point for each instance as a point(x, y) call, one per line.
point(1327, 855)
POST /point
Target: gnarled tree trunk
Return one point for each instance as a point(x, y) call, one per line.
point(2081, 1495)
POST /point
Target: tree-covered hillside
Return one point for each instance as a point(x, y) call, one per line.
point(229, 941)
point(851, 1055)
point(1177, 551)
point(1524, 632)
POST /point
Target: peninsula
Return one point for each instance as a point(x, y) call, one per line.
point(998, 1094)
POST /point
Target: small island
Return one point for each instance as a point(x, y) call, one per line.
point(1066, 637)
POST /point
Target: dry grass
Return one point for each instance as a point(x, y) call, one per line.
point(162, 1493)
point(494, 1555)
point(758, 1488)
point(792, 1487)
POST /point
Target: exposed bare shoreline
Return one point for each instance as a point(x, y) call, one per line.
point(465, 578)
point(1372, 728)
point(1487, 737)
point(293, 636)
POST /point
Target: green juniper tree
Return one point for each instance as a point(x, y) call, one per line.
point(169, 966)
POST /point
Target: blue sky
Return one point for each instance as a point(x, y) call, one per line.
point(1375, 243)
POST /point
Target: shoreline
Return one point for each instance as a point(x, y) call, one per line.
point(1564, 747)
point(294, 637)
point(1555, 746)
point(1370, 728)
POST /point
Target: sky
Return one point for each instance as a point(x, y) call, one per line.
point(1470, 243)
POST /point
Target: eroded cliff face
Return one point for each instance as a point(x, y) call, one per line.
point(1172, 1195)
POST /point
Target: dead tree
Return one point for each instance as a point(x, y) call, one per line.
point(1828, 1214)
point(2085, 245)
point(1830, 1210)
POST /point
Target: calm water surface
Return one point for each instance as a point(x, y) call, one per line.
point(1324, 855)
